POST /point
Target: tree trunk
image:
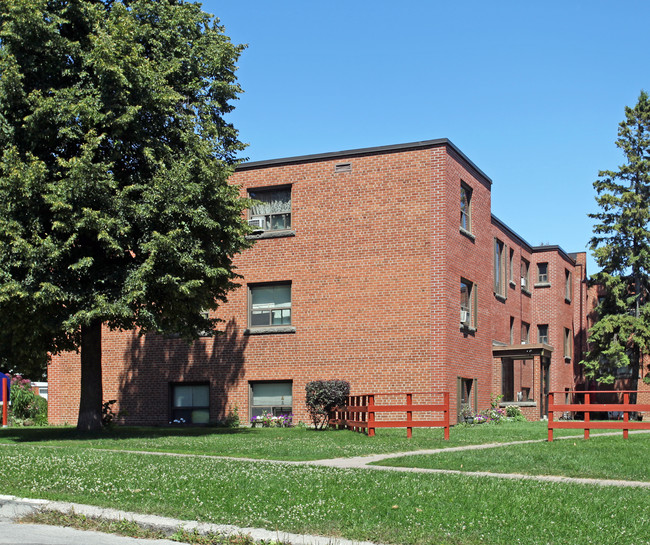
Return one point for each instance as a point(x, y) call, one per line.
point(90, 405)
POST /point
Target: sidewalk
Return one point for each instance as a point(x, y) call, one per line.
point(13, 508)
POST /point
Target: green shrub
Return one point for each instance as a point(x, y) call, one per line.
point(322, 397)
point(232, 418)
point(512, 411)
point(26, 407)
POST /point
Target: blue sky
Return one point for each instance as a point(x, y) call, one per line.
point(532, 92)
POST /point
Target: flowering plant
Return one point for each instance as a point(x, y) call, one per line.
point(27, 407)
point(267, 420)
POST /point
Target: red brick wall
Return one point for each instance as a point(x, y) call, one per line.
point(550, 307)
point(361, 267)
point(468, 353)
point(375, 268)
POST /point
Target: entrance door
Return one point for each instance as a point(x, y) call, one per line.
point(507, 379)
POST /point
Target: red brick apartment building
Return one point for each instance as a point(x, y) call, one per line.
point(381, 266)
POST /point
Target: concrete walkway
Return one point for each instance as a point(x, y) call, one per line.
point(12, 508)
point(364, 462)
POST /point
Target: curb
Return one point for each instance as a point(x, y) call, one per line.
point(13, 507)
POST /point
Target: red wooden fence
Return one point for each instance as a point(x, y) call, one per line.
point(360, 413)
point(5, 400)
point(588, 407)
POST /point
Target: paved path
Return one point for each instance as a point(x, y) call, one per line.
point(364, 462)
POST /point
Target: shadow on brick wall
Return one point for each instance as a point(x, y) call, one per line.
point(155, 364)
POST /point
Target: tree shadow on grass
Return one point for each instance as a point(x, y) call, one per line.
point(40, 435)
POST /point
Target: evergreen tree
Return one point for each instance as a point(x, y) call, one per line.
point(621, 247)
point(114, 202)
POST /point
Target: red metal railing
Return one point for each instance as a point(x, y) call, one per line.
point(360, 413)
point(588, 407)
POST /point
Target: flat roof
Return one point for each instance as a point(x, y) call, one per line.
point(394, 148)
point(571, 258)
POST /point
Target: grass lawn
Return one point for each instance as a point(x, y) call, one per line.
point(386, 507)
point(381, 506)
point(276, 443)
point(610, 457)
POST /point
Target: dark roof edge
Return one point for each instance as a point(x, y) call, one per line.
point(363, 151)
point(555, 248)
point(535, 249)
point(512, 233)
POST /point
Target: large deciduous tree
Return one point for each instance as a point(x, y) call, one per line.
point(621, 247)
point(115, 206)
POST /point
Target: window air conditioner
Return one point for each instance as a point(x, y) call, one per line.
point(464, 316)
point(258, 223)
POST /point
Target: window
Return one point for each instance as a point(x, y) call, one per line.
point(626, 371)
point(568, 343)
point(499, 268)
point(542, 334)
point(542, 273)
point(468, 303)
point(466, 397)
point(270, 305)
point(190, 403)
point(42, 388)
point(512, 330)
point(568, 285)
point(511, 267)
point(274, 398)
point(465, 208)
point(272, 212)
point(525, 331)
point(525, 266)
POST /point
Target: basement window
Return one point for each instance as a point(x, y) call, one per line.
point(190, 403)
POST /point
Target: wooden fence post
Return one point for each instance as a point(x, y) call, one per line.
point(626, 413)
point(409, 416)
point(347, 412)
point(550, 416)
point(587, 414)
point(445, 401)
point(371, 415)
